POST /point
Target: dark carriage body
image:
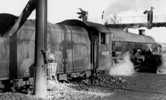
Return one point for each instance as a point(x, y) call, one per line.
point(77, 47)
point(70, 44)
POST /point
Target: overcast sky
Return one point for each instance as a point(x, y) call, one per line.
point(59, 10)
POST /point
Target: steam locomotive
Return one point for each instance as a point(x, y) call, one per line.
point(78, 47)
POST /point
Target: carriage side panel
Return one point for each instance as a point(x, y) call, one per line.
point(25, 49)
point(4, 58)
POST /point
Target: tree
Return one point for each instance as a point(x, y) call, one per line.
point(83, 15)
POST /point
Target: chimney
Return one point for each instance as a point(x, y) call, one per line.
point(141, 31)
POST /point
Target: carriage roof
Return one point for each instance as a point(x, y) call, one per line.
point(117, 34)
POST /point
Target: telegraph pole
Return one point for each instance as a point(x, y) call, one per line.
point(40, 44)
point(149, 17)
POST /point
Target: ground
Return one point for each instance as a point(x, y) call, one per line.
point(135, 87)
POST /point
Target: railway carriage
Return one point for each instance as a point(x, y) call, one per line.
point(78, 47)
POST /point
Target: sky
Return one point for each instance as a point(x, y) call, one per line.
point(126, 10)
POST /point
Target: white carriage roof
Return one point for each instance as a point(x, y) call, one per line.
point(121, 36)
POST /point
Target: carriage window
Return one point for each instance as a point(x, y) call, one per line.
point(103, 38)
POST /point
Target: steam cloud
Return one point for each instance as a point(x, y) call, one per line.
point(134, 7)
point(126, 5)
point(124, 68)
point(162, 68)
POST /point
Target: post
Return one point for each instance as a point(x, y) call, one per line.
point(40, 44)
point(149, 17)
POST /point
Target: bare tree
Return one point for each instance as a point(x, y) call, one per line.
point(83, 15)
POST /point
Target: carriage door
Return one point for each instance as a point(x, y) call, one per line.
point(67, 51)
point(94, 53)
